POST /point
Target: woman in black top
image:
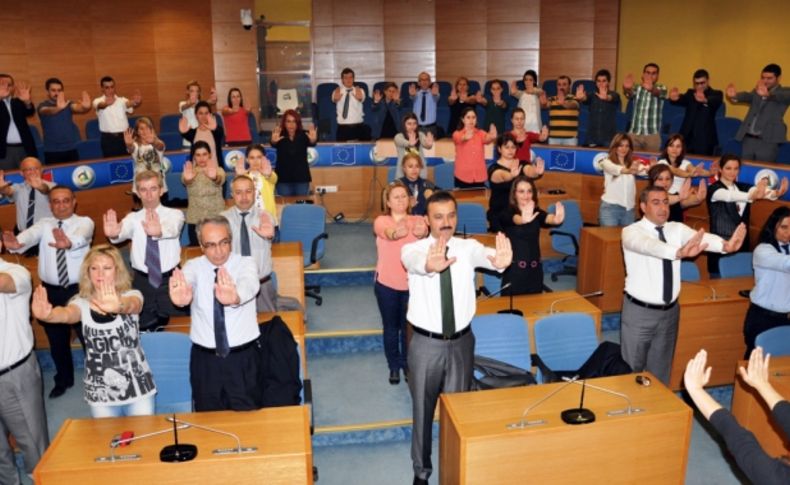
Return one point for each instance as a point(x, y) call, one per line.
point(459, 99)
point(500, 175)
point(291, 142)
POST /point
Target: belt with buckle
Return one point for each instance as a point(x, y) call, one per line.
point(439, 336)
point(233, 350)
point(651, 306)
point(15, 364)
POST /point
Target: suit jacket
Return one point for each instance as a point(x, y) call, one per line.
point(20, 112)
point(769, 112)
point(699, 123)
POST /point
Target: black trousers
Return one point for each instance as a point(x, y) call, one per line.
point(59, 335)
point(61, 157)
point(757, 321)
point(112, 145)
point(157, 307)
point(360, 132)
point(230, 383)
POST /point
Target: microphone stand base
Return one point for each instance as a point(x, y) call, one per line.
point(514, 311)
point(577, 416)
point(235, 451)
point(178, 453)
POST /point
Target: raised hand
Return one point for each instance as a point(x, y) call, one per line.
point(543, 99)
point(693, 246)
point(736, 240)
point(23, 92)
point(36, 181)
point(674, 94)
point(437, 260)
point(647, 83)
point(559, 213)
point(151, 224)
point(580, 93)
point(702, 190)
point(761, 189)
point(61, 240)
point(761, 89)
point(515, 170)
point(277, 134)
point(540, 165)
point(265, 227)
point(756, 375)
point(240, 168)
point(61, 101)
point(137, 98)
point(699, 96)
point(41, 307)
point(528, 213)
point(189, 172)
point(492, 133)
point(111, 226)
point(211, 171)
point(420, 228)
point(453, 94)
point(128, 136)
point(225, 288)
point(697, 375)
point(544, 133)
point(180, 290)
point(85, 100)
point(504, 252)
point(106, 299)
point(731, 92)
point(401, 230)
point(10, 240)
point(685, 189)
point(413, 138)
point(715, 168)
point(3, 182)
point(782, 188)
point(435, 89)
point(628, 82)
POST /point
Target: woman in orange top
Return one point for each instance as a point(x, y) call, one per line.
point(470, 141)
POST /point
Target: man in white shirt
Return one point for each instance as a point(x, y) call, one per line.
point(441, 272)
point(349, 99)
point(111, 111)
point(31, 196)
point(21, 392)
point(220, 288)
point(63, 240)
point(255, 226)
point(652, 250)
point(155, 231)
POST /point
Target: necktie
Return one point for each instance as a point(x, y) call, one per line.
point(220, 332)
point(786, 248)
point(448, 308)
point(60, 259)
point(245, 235)
point(152, 262)
point(667, 269)
point(31, 208)
point(346, 102)
point(423, 107)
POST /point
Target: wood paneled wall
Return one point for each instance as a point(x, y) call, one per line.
point(486, 39)
point(155, 46)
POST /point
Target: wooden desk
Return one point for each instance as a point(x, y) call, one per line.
point(475, 445)
point(752, 413)
point(716, 326)
point(536, 307)
point(281, 435)
point(601, 267)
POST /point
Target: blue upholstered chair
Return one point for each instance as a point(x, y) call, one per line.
point(689, 271)
point(306, 223)
point(471, 218)
point(503, 337)
point(564, 341)
point(565, 237)
point(89, 149)
point(736, 265)
point(444, 175)
point(775, 341)
point(168, 355)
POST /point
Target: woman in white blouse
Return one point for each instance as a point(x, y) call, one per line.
point(619, 193)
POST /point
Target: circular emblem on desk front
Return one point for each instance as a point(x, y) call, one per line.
point(167, 165)
point(83, 176)
point(598, 159)
point(767, 173)
point(375, 157)
point(312, 156)
point(232, 158)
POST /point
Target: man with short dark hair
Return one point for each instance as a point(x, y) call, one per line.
point(652, 250)
point(386, 105)
point(16, 140)
point(702, 102)
point(350, 115)
point(764, 127)
point(60, 133)
point(111, 110)
point(648, 98)
point(603, 103)
point(563, 114)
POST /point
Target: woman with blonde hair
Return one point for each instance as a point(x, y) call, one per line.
point(146, 149)
point(118, 380)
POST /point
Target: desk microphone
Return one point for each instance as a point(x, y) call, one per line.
point(574, 297)
point(510, 310)
point(491, 295)
point(121, 440)
point(580, 415)
point(523, 422)
point(177, 452)
point(713, 297)
point(616, 412)
point(238, 449)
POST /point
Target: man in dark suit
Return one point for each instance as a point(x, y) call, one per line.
point(16, 141)
point(764, 128)
point(701, 103)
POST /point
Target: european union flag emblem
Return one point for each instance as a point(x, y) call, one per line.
point(343, 155)
point(121, 172)
point(564, 161)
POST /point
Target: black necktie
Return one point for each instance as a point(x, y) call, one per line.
point(346, 102)
point(423, 107)
point(667, 269)
point(60, 260)
point(786, 248)
point(31, 208)
point(448, 306)
point(245, 235)
point(220, 332)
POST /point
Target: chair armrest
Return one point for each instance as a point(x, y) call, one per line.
point(314, 247)
point(567, 234)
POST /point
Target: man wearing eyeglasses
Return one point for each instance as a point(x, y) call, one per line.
point(155, 232)
point(220, 288)
point(699, 123)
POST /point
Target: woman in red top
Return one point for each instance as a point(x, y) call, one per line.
point(524, 140)
point(237, 127)
point(470, 162)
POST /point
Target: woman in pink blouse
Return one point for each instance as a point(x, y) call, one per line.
point(470, 141)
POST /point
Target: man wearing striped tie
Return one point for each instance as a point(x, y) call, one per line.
point(62, 240)
point(31, 196)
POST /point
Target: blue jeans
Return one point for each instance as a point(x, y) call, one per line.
point(143, 407)
point(392, 305)
point(293, 188)
point(614, 215)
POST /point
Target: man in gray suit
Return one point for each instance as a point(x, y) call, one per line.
point(764, 128)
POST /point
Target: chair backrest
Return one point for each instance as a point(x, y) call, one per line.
point(775, 341)
point(391, 174)
point(492, 281)
point(550, 86)
point(471, 218)
point(564, 341)
point(726, 128)
point(589, 85)
point(572, 225)
point(503, 337)
point(168, 355)
point(172, 140)
point(505, 88)
point(783, 155)
point(92, 130)
point(689, 271)
point(304, 223)
point(444, 175)
point(736, 265)
point(89, 149)
point(169, 123)
point(287, 99)
point(175, 187)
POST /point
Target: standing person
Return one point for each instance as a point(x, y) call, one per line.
point(419, 189)
point(394, 229)
point(60, 133)
point(764, 128)
point(524, 140)
point(208, 131)
point(63, 240)
point(291, 142)
point(387, 108)
point(411, 140)
point(16, 141)
point(111, 110)
point(441, 271)
point(604, 105)
point(496, 106)
point(674, 156)
point(460, 98)
point(729, 202)
point(350, 115)
point(648, 98)
point(652, 250)
point(529, 100)
point(146, 149)
point(188, 105)
point(118, 380)
point(699, 123)
point(425, 98)
point(203, 180)
point(220, 288)
point(155, 251)
point(661, 176)
point(21, 392)
point(252, 231)
point(470, 161)
point(521, 224)
point(236, 117)
point(563, 114)
point(619, 192)
point(770, 298)
point(31, 196)
point(263, 176)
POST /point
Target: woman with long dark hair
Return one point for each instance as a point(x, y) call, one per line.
point(291, 142)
